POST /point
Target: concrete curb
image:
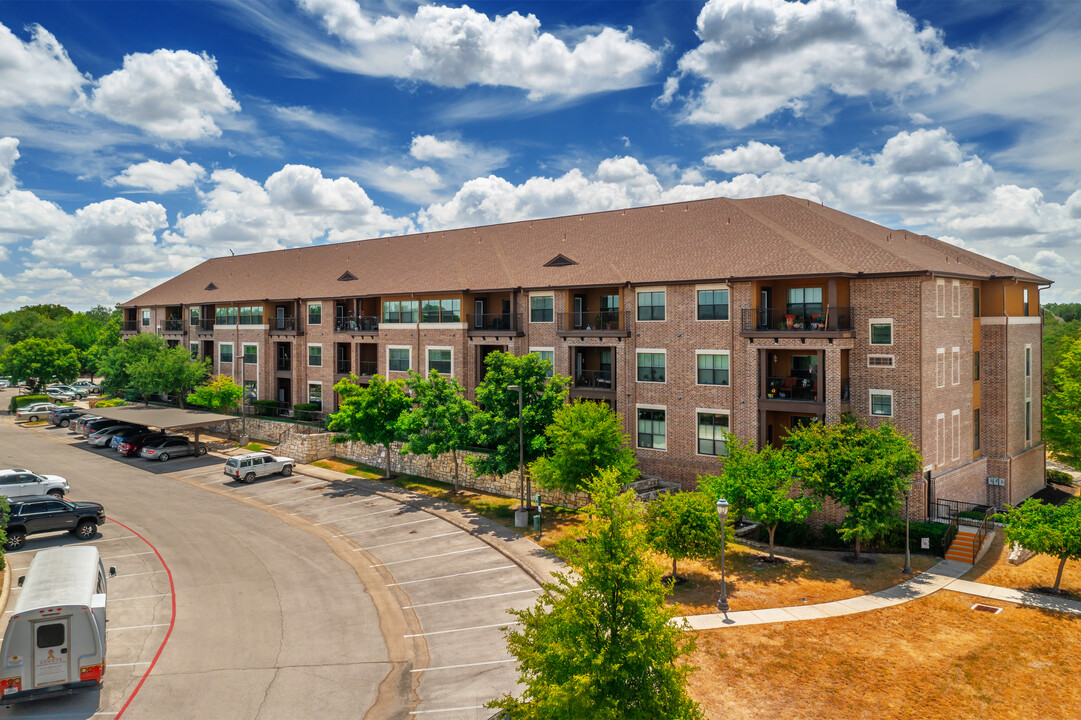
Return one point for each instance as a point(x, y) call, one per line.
point(7, 586)
point(534, 560)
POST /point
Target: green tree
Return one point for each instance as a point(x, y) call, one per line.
point(371, 414)
point(117, 364)
point(221, 394)
point(495, 426)
point(602, 646)
point(761, 485)
point(108, 338)
point(1062, 408)
point(439, 421)
point(865, 470)
point(684, 525)
point(1047, 530)
point(169, 370)
point(41, 362)
point(584, 437)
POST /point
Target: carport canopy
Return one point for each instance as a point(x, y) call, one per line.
point(164, 418)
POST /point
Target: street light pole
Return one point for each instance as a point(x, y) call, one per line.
point(522, 491)
point(722, 602)
point(907, 569)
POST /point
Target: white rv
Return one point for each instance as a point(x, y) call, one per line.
point(55, 640)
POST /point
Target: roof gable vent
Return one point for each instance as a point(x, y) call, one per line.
point(560, 260)
point(347, 276)
point(211, 286)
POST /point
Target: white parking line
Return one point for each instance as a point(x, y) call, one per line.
point(138, 627)
point(351, 502)
point(468, 629)
point(386, 527)
point(464, 665)
point(152, 572)
point(454, 709)
point(429, 557)
point(144, 662)
point(477, 597)
point(444, 577)
point(354, 517)
point(114, 557)
point(403, 542)
point(295, 487)
point(139, 597)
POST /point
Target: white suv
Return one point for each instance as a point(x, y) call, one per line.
point(245, 468)
point(18, 482)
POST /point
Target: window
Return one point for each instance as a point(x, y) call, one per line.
point(439, 359)
point(712, 304)
point(315, 356)
point(955, 366)
point(880, 361)
point(805, 304)
point(1024, 300)
point(940, 438)
point(712, 429)
point(652, 432)
point(882, 331)
point(400, 311)
point(315, 395)
point(940, 298)
point(433, 311)
point(1028, 421)
point(226, 316)
point(541, 308)
point(650, 366)
point(955, 420)
point(193, 316)
point(398, 359)
point(146, 318)
point(651, 306)
point(882, 403)
point(940, 367)
point(251, 389)
point(225, 353)
point(1028, 361)
point(975, 365)
point(252, 315)
point(546, 354)
point(50, 636)
point(251, 354)
point(713, 368)
point(193, 349)
point(956, 298)
point(975, 301)
point(609, 303)
point(976, 429)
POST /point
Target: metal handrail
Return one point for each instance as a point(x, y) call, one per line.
point(981, 533)
point(801, 320)
point(597, 379)
point(492, 322)
point(593, 321)
point(356, 323)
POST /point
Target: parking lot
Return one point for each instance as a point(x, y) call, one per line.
point(441, 591)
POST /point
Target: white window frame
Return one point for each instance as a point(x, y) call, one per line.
point(243, 384)
point(193, 349)
point(710, 411)
point(550, 350)
point(644, 406)
point(308, 355)
point(539, 295)
point(870, 331)
point(956, 298)
point(955, 366)
point(664, 290)
point(243, 354)
point(308, 313)
point(659, 351)
point(219, 362)
point(870, 402)
point(322, 398)
point(940, 438)
point(715, 286)
point(428, 360)
point(891, 358)
point(408, 349)
point(144, 318)
point(697, 353)
point(955, 428)
point(1028, 371)
point(940, 298)
point(1027, 420)
point(940, 367)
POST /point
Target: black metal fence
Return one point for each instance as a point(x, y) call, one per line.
point(356, 323)
point(605, 320)
point(595, 379)
point(492, 322)
point(797, 319)
point(284, 324)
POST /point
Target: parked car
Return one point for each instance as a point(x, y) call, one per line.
point(117, 437)
point(39, 515)
point(19, 482)
point(171, 447)
point(99, 424)
point(35, 411)
point(91, 388)
point(5, 383)
point(76, 391)
point(59, 395)
point(79, 424)
point(102, 437)
point(245, 468)
point(65, 416)
point(129, 447)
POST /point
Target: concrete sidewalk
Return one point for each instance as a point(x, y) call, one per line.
point(1020, 597)
point(537, 562)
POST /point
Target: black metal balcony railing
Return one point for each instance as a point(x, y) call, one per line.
point(342, 367)
point(173, 325)
point(356, 323)
point(801, 318)
point(595, 379)
point(284, 364)
point(284, 324)
point(367, 368)
point(792, 388)
point(492, 322)
point(206, 325)
point(606, 320)
point(129, 326)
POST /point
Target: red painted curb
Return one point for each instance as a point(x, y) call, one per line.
point(172, 617)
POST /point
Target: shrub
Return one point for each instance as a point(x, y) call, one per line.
point(112, 402)
point(21, 400)
point(971, 514)
point(1057, 477)
point(265, 408)
point(790, 534)
point(936, 532)
point(306, 411)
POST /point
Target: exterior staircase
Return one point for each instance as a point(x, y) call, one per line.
point(963, 548)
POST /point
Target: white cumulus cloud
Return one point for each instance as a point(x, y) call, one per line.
point(37, 72)
point(161, 177)
point(429, 147)
point(754, 157)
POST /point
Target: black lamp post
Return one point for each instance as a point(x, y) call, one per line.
point(722, 513)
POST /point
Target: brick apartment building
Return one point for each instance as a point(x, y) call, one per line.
point(688, 319)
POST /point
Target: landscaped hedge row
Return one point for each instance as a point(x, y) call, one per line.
point(1057, 477)
point(804, 536)
point(306, 411)
point(21, 400)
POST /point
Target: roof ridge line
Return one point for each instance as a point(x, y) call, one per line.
point(788, 235)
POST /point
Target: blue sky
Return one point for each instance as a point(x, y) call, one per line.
point(139, 138)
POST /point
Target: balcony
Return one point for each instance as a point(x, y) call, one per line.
point(129, 326)
point(173, 326)
point(606, 323)
point(205, 326)
point(284, 325)
point(367, 368)
point(493, 324)
point(803, 389)
point(597, 384)
point(356, 324)
point(284, 364)
point(799, 320)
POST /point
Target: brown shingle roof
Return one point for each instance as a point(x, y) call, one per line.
point(701, 240)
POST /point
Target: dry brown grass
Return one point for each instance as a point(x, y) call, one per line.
point(1036, 572)
point(810, 576)
point(930, 658)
